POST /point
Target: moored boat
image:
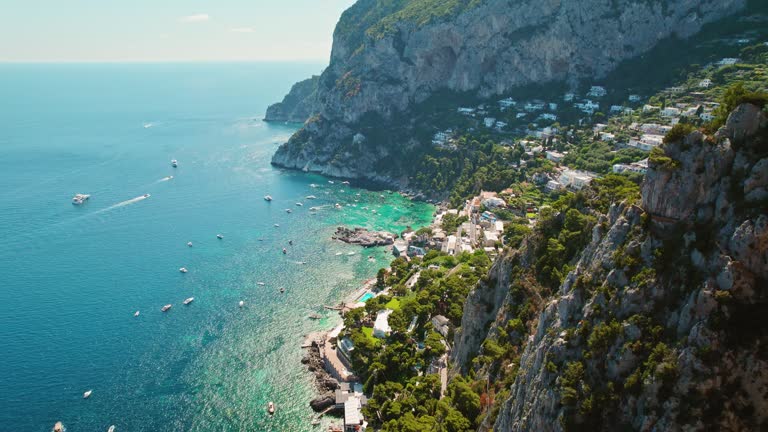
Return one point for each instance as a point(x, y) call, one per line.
point(87, 394)
point(271, 407)
point(166, 308)
point(174, 163)
point(183, 270)
point(267, 197)
point(219, 236)
point(79, 199)
point(189, 300)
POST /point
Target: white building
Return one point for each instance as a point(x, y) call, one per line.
point(548, 116)
point(638, 167)
point(554, 185)
point(587, 106)
point(649, 108)
point(646, 142)
point(576, 179)
point(569, 97)
point(670, 112)
point(552, 106)
point(555, 156)
point(500, 125)
point(707, 116)
point(597, 91)
point(489, 121)
point(466, 111)
point(507, 103)
point(520, 115)
point(494, 202)
point(634, 98)
point(728, 61)
point(490, 238)
point(381, 327)
point(534, 106)
point(705, 83)
point(617, 108)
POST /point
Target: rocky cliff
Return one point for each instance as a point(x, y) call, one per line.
point(660, 324)
point(390, 56)
point(298, 105)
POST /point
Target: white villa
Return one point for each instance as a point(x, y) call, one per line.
point(381, 327)
point(576, 179)
point(597, 91)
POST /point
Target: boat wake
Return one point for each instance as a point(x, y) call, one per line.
point(165, 179)
point(124, 203)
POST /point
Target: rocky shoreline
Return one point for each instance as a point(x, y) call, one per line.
point(364, 237)
point(325, 383)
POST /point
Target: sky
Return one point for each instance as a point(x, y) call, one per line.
point(167, 30)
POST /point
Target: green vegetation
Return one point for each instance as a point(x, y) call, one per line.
point(660, 159)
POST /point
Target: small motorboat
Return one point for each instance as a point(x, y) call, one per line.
point(290, 242)
point(80, 199)
point(241, 304)
point(189, 244)
point(337, 205)
point(282, 289)
point(330, 181)
point(345, 182)
point(260, 283)
point(277, 225)
point(288, 211)
point(147, 195)
point(299, 205)
point(271, 408)
point(312, 185)
point(315, 316)
point(267, 197)
point(315, 422)
point(339, 254)
point(111, 429)
point(166, 308)
point(174, 163)
point(350, 253)
point(59, 427)
point(183, 270)
point(136, 314)
point(189, 300)
point(87, 394)
point(285, 251)
point(311, 197)
point(313, 209)
point(219, 236)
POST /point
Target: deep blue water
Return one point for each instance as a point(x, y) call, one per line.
point(72, 277)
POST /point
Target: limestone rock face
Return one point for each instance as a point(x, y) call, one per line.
point(387, 58)
point(697, 285)
point(298, 105)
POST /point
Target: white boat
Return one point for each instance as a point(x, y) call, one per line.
point(267, 197)
point(337, 205)
point(345, 182)
point(260, 283)
point(174, 163)
point(80, 199)
point(288, 211)
point(87, 394)
point(299, 205)
point(111, 429)
point(219, 236)
point(312, 185)
point(311, 197)
point(189, 244)
point(350, 253)
point(339, 254)
point(285, 251)
point(136, 314)
point(189, 300)
point(313, 209)
point(59, 427)
point(282, 289)
point(165, 308)
point(147, 195)
point(183, 270)
point(330, 182)
point(277, 225)
point(271, 408)
point(241, 304)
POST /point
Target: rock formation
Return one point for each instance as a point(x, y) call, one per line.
point(364, 237)
point(389, 57)
point(298, 105)
point(660, 324)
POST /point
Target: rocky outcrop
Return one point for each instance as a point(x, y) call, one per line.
point(389, 57)
point(658, 325)
point(364, 237)
point(298, 105)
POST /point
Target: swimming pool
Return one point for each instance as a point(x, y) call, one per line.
point(366, 297)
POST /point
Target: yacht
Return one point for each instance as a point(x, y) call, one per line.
point(87, 394)
point(260, 283)
point(183, 270)
point(80, 198)
point(299, 205)
point(165, 308)
point(219, 236)
point(111, 429)
point(267, 197)
point(189, 300)
point(174, 163)
point(59, 427)
point(271, 408)
point(339, 254)
point(241, 304)
point(350, 253)
point(311, 197)
point(189, 244)
point(277, 225)
point(136, 314)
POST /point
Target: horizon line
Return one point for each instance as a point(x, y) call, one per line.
point(7, 61)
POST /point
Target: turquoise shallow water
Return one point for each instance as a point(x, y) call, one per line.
point(72, 277)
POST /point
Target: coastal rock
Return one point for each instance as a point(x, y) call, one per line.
point(321, 403)
point(364, 237)
point(298, 105)
point(389, 58)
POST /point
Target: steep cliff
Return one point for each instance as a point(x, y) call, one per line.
point(390, 56)
point(298, 105)
point(660, 324)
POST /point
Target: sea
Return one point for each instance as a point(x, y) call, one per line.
point(73, 277)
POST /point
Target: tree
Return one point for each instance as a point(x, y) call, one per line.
point(380, 278)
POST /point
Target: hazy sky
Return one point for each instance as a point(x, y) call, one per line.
point(167, 30)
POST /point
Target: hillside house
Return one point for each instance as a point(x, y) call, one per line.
point(576, 179)
point(705, 83)
point(555, 156)
point(597, 91)
point(568, 97)
point(507, 103)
